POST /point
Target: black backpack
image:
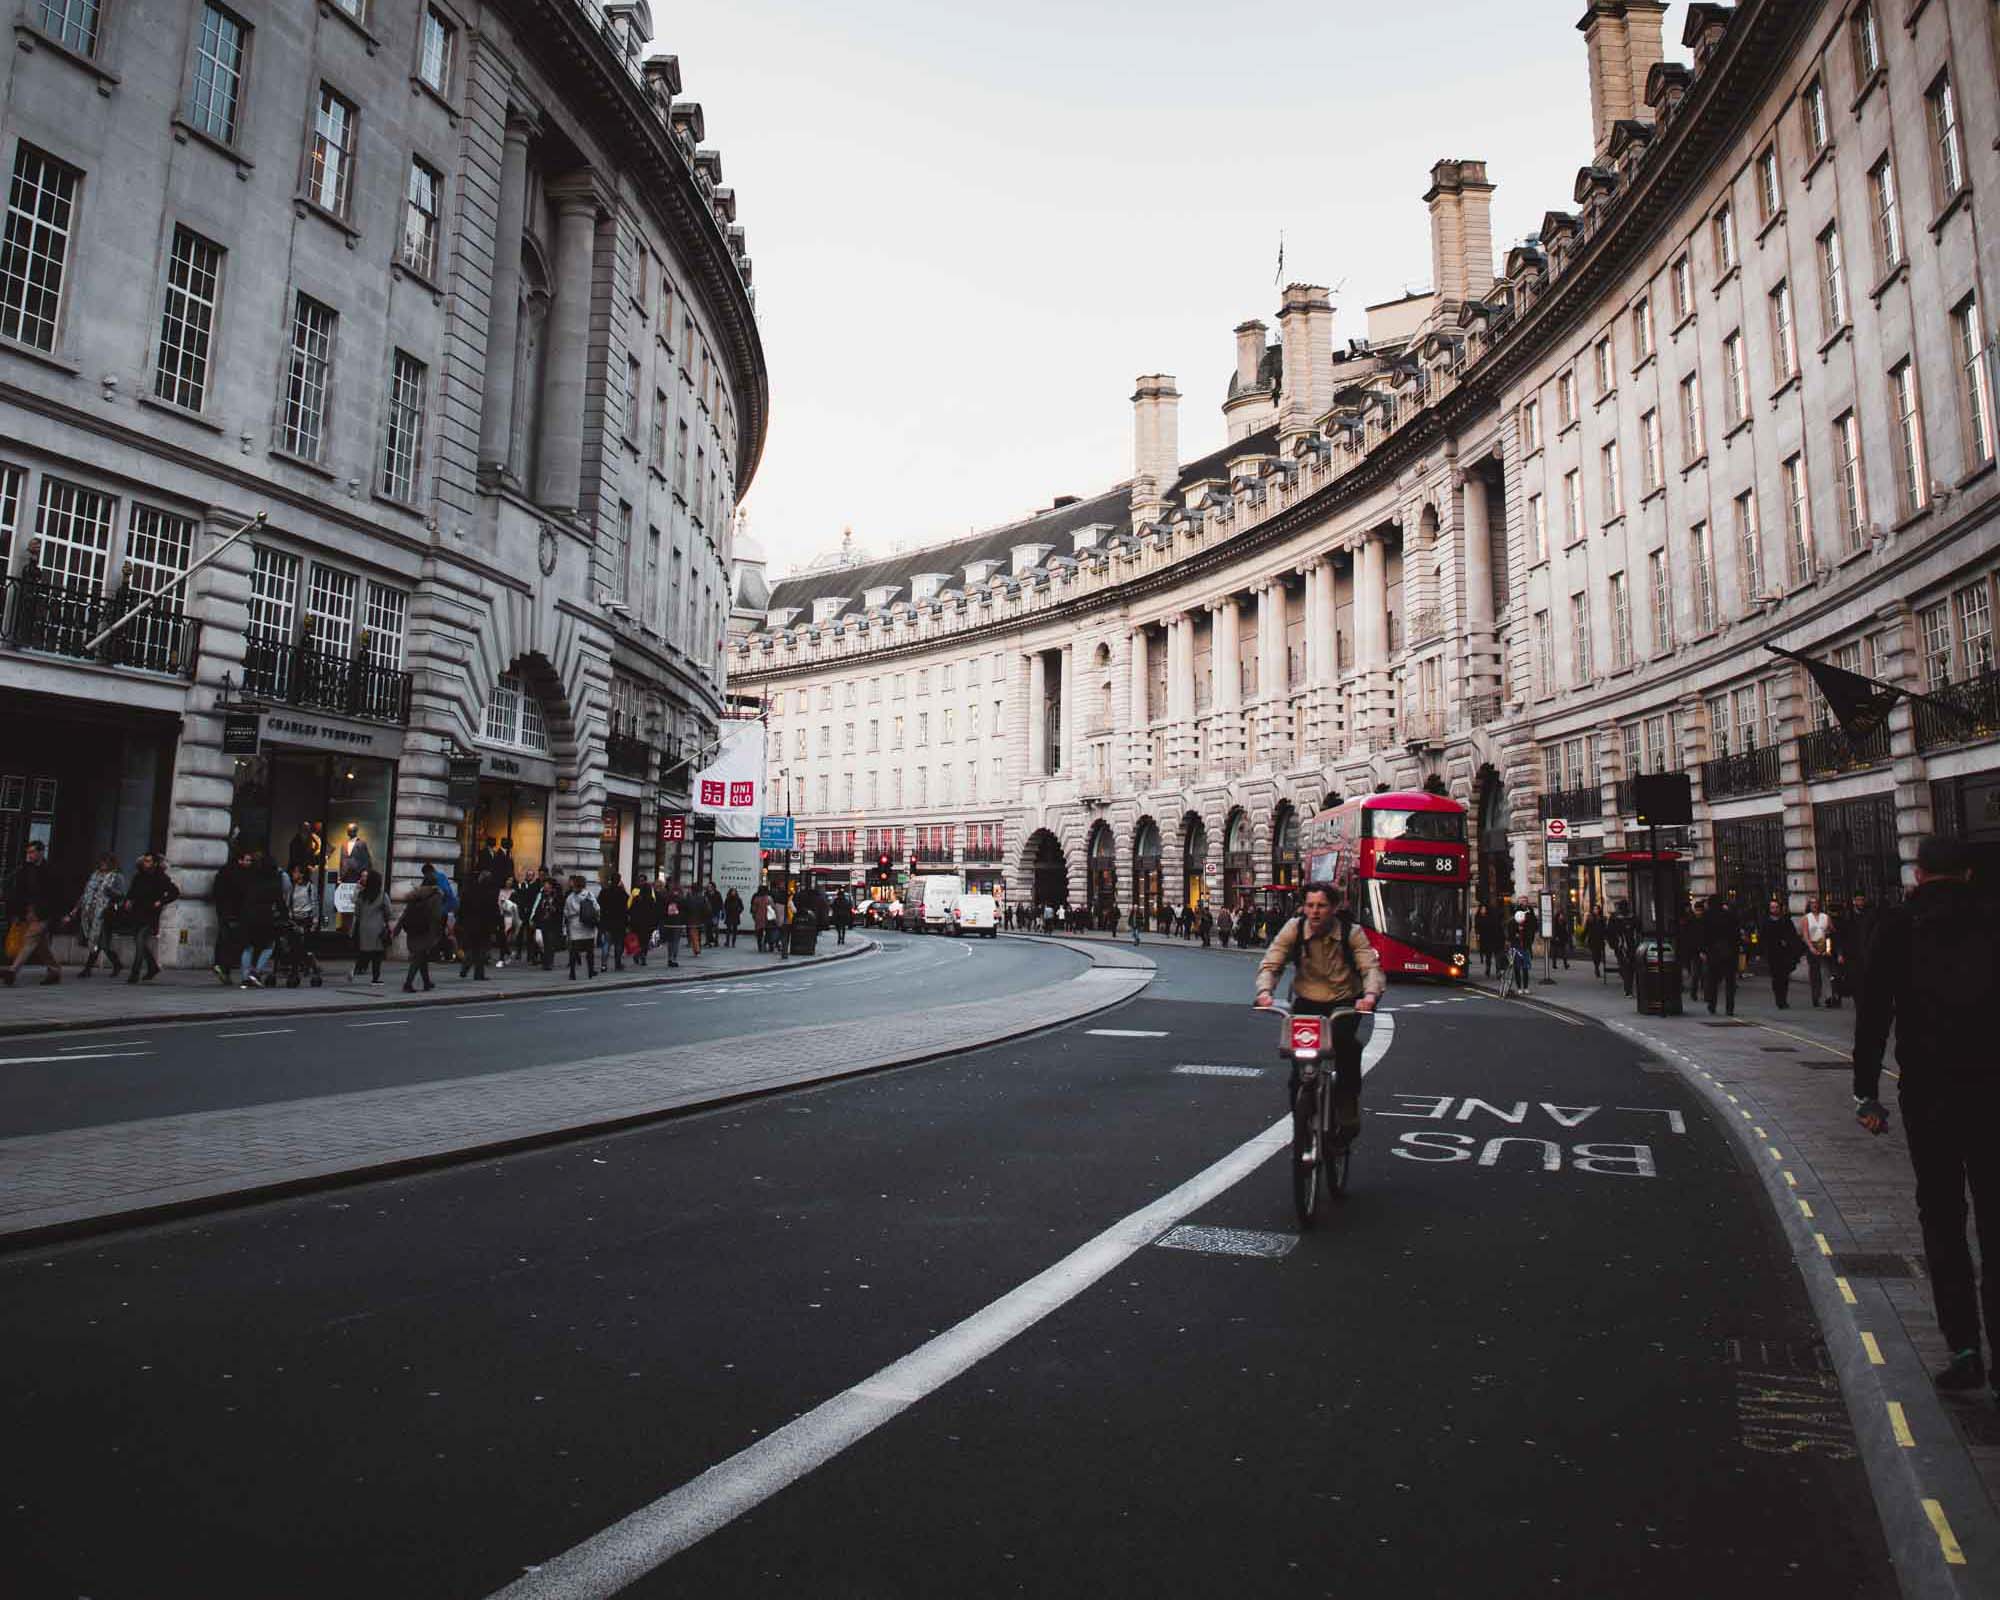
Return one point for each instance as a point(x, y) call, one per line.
point(586, 912)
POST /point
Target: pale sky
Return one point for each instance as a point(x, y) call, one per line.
point(974, 225)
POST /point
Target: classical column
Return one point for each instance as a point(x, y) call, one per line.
point(1325, 694)
point(1371, 636)
point(1140, 750)
point(567, 373)
point(503, 321)
point(1225, 651)
point(1482, 656)
point(1066, 714)
point(1184, 679)
point(1038, 685)
point(1273, 687)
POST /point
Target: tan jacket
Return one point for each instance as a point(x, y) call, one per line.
point(1328, 969)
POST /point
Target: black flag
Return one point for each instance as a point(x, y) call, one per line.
point(1861, 705)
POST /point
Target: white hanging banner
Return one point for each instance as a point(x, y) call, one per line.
point(731, 787)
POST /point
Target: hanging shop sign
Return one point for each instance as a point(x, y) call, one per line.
point(463, 793)
point(241, 733)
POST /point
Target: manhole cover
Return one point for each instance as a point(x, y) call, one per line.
point(1779, 1049)
point(1879, 1264)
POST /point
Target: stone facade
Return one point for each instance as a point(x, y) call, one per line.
point(453, 295)
point(1528, 538)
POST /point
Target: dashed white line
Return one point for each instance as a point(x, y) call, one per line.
point(479, 1016)
point(256, 1033)
point(103, 1044)
point(106, 1055)
point(393, 1022)
point(1128, 1033)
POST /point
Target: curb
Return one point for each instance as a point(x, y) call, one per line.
point(405, 1163)
point(1894, 1470)
point(862, 947)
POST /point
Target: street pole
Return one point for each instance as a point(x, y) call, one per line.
point(90, 648)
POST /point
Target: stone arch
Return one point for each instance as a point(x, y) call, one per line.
point(1148, 881)
point(1101, 858)
point(1239, 858)
point(1194, 861)
point(1493, 854)
point(1044, 870)
point(1285, 843)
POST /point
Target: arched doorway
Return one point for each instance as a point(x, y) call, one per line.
point(1285, 844)
point(1047, 870)
point(1147, 896)
point(1496, 859)
point(1194, 861)
point(1102, 853)
point(1239, 864)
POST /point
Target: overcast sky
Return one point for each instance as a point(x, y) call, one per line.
point(975, 224)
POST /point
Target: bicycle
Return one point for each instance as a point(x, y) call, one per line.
point(1320, 1158)
point(1520, 972)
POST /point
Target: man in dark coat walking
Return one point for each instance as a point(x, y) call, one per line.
point(1931, 972)
point(1722, 940)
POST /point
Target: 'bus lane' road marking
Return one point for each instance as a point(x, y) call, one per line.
point(653, 1535)
point(1127, 1033)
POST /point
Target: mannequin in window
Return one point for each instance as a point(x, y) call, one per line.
point(306, 848)
point(355, 861)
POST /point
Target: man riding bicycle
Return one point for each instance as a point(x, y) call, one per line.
point(1333, 964)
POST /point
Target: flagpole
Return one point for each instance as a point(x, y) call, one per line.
point(1935, 704)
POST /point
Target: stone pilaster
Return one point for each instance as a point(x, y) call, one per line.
point(1899, 661)
point(503, 324)
point(566, 377)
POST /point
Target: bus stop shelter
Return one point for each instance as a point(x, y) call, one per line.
point(1656, 886)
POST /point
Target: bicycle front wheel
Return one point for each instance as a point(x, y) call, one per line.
point(1309, 1156)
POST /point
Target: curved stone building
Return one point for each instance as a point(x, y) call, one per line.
point(1527, 535)
point(453, 293)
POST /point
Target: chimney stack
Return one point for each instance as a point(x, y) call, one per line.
point(1249, 353)
point(1156, 444)
point(1611, 96)
point(1644, 20)
point(1461, 206)
point(1305, 329)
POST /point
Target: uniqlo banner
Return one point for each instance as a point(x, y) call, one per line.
point(731, 787)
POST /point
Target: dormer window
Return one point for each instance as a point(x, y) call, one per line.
point(826, 610)
point(1026, 557)
point(925, 585)
point(879, 596)
point(977, 572)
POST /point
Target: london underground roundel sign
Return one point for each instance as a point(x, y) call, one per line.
point(1558, 828)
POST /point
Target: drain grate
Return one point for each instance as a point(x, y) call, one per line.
point(1229, 1242)
point(1874, 1264)
point(1779, 1049)
point(1205, 1069)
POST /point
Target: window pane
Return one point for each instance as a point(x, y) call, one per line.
point(330, 168)
point(420, 219)
point(73, 527)
point(218, 74)
point(187, 321)
point(73, 22)
point(434, 50)
point(403, 443)
point(274, 592)
point(40, 203)
point(305, 391)
point(386, 610)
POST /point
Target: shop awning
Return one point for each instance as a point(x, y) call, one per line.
point(1615, 860)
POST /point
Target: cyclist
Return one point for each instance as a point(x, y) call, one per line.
point(1333, 964)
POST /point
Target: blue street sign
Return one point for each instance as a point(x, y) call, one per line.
point(776, 833)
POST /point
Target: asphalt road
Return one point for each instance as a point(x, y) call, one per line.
point(152, 1070)
point(1505, 1368)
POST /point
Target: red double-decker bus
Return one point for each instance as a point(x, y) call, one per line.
point(1400, 860)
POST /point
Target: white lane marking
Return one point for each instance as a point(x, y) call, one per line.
point(395, 1022)
point(1127, 1033)
point(553, 1010)
point(256, 1033)
point(102, 1044)
point(479, 1016)
point(654, 1534)
point(106, 1055)
point(629, 1004)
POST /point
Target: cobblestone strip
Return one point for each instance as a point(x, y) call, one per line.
point(70, 1181)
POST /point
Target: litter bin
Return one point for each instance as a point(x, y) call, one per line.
point(1659, 979)
point(805, 933)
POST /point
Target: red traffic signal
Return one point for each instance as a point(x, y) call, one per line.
point(882, 861)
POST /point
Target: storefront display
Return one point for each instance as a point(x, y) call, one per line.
point(332, 814)
point(511, 813)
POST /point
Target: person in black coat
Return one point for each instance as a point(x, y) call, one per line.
point(1721, 941)
point(1853, 933)
point(478, 917)
point(227, 892)
point(842, 913)
point(1778, 938)
point(614, 916)
point(262, 907)
point(150, 893)
point(645, 917)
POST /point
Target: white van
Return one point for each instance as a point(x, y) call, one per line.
point(927, 906)
point(977, 913)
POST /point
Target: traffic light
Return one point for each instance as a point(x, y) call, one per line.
point(882, 861)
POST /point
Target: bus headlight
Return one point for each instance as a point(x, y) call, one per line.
point(1458, 958)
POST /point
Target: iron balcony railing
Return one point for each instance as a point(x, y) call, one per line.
point(628, 755)
point(835, 854)
point(1581, 804)
point(61, 619)
point(981, 852)
point(324, 680)
point(932, 855)
point(1974, 712)
point(1826, 751)
point(1750, 771)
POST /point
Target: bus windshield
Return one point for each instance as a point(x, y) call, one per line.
point(1427, 916)
point(1440, 827)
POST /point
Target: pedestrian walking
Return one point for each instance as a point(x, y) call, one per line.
point(96, 913)
point(1931, 972)
point(760, 916)
point(263, 907)
point(1488, 928)
point(712, 898)
point(732, 915)
point(580, 918)
point(1624, 938)
point(1136, 919)
point(673, 922)
point(479, 914)
point(1722, 944)
point(1853, 939)
point(549, 935)
point(226, 894)
point(694, 914)
point(152, 891)
point(614, 920)
point(32, 885)
point(1778, 937)
point(1816, 934)
point(1562, 935)
point(1595, 937)
point(369, 924)
point(422, 928)
point(1206, 928)
point(645, 920)
point(843, 916)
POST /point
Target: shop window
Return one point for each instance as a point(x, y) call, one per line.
point(514, 717)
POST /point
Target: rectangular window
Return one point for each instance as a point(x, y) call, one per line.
point(420, 218)
point(73, 526)
point(1798, 519)
point(650, 600)
point(1660, 587)
point(1538, 528)
point(10, 512)
point(1725, 240)
point(308, 375)
point(1975, 392)
point(1813, 113)
point(387, 610)
point(330, 609)
point(1701, 559)
point(330, 163)
point(218, 74)
point(1545, 655)
point(1613, 489)
point(1621, 622)
point(41, 205)
point(1693, 443)
point(1784, 335)
point(1718, 725)
point(1974, 613)
point(435, 40)
point(621, 559)
point(1650, 458)
point(700, 478)
point(1572, 507)
point(681, 461)
point(1867, 42)
point(1601, 360)
point(1642, 330)
point(72, 23)
point(1565, 399)
point(1853, 504)
point(633, 376)
point(1832, 283)
point(1735, 379)
point(1770, 200)
point(158, 547)
point(1681, 276)
point(1531, 426)
point(1934, 644)
point(1947, 140)
point(187, 321)
point(1912, 471)
point(1579, 637)
point(659, 438)
point(1888, 217)
point(1749, 548)
point(274, 594)
point(402, 444)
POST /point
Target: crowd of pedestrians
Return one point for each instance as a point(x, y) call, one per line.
point(1247, 925)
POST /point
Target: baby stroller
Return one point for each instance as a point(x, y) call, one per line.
point(291, 956)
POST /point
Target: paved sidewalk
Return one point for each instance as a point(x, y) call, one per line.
point(1781, 1080)
point(93, 1178)
point(181, 995)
